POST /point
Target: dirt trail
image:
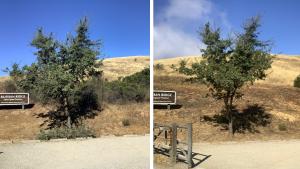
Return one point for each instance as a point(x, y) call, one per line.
point(128, 152)
point(246, 155)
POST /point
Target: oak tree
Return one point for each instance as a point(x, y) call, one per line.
point(61, 69)
point(228, 64)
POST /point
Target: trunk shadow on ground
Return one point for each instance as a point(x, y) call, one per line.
point(246, 120)
point(58, 118)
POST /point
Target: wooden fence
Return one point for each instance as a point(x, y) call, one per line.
point(166, 142)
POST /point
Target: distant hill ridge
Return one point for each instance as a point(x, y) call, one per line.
point(285, 68)
point(118, 66)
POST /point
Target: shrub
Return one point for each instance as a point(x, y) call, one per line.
point(97, 85)
point(159, 66)
point(297, 82)
point(282, 127)
point(63, 132)
point(173, 67)
point(126, 122)
point(130, 88)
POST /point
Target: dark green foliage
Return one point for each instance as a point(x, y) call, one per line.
point(63, 132)
point(126, 122)
point(141, 78)
point(61, 71)
point(173, 67)
point(282, 127)
point(15, 71)
point(159, 67)
point(130, 88)
point(229, 64)
point(297, 81)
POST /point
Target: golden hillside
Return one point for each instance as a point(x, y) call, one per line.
point(124, 66)
point(118, 67)
point(284, 69)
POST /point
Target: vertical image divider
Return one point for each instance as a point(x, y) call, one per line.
point(151, 81)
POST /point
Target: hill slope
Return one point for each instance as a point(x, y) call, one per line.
point(113, 68)
point(271, 106)
point(283, 72)
point(124, 66)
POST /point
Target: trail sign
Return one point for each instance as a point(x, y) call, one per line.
point(164, 97)
point(14, 99)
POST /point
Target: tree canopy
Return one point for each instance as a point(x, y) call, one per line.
point(230, 63)
point(61, 68)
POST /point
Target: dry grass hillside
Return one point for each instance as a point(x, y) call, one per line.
point(16, 123)
point(283, 72)
point(272, 107)
point(119, 67)
point(114, 68)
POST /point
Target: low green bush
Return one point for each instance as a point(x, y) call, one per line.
point(63, 132)
point(282, 127)
point(126, 122)
point(130, 88)
point(297, 82)
point(159, 66)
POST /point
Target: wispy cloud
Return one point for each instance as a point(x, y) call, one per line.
point(176, 26)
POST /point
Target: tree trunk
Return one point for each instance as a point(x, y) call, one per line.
point(231, 118)
point(230, 125)
point(69, 124)
point(69, 121)
point(230, 121)
point(228, 106)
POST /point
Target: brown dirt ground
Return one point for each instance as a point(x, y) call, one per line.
point(25, 124)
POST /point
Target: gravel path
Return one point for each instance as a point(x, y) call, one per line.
point(247, 155)
point(128, 152)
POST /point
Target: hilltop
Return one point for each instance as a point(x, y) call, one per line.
point(118, 66)
point(114, 68)
point(284, 69)
point(124, 66)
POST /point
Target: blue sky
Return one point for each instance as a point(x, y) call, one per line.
point(122, 25)
point(177, 22)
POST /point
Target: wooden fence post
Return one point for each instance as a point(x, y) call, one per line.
point(166, 135)
point(173, 154)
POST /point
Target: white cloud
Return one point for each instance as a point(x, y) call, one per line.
point(170, 42)
point(176, 25)
point(188, 9)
